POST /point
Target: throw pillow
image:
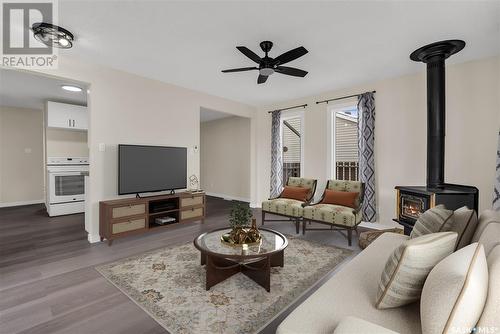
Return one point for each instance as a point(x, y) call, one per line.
point(464, 222)
point(432, 221)
point(455, 292)
point(343, 198)
point(297, 193)
point(408, 266)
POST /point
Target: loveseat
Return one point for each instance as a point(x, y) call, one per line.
point(346, 302)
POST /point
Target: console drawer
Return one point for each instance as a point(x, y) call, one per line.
point(128, 210)
point(130, 225)
point(187, 214)
point(189, 201)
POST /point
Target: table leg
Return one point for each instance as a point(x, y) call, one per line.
point(278, 259)
point(219, 269)
point(259, 272)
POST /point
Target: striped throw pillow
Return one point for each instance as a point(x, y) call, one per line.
point(433, 220)
point(407, 268)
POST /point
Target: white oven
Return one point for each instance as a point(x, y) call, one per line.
point(66, 185)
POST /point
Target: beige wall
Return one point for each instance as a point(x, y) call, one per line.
point(66, 143)
point(473, 122)
point(129, 109)
point(225, 157)
point(21, 156)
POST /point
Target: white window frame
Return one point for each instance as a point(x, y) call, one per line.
point(330, 154)
point(289, 114)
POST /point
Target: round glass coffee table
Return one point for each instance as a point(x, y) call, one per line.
point(223, 260)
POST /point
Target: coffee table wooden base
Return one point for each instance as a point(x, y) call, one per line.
point(219, 269)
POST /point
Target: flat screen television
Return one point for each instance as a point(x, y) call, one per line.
point(144, 169)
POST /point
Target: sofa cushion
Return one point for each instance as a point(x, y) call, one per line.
point(488, 230)
point(464, 222)
point(332, 214)
point(487, 218)
point(408, 266)
point(432, 221)
point(283, 206)
point(455, 292)
point(353, 325)
point(351, 291)
point(342, 198)
point(297, 193)
point(490, 318)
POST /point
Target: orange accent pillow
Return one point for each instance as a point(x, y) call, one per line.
point(343, 198)
point(297, 193)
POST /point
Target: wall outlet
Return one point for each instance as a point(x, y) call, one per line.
point(27, 150)
point(102, 147)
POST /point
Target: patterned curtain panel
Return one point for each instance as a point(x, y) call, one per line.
point(276, 154)
point(366, 143)
point(496, 190)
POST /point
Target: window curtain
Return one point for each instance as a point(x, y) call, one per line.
point(496, 190)
point(366, 145)
point(276, 154)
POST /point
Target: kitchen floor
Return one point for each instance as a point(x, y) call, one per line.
point(48, 283)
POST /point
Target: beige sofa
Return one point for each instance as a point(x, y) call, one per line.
point(346, 302)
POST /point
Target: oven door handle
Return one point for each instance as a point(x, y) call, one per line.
point(84, 173)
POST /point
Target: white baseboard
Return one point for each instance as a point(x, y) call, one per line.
point(255, 205)
point(228, 197)
point(9, 204)
point(93, 238)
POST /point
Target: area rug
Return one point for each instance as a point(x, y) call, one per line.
point(169, 284)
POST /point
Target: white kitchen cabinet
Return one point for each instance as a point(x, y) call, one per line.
point(66, 116)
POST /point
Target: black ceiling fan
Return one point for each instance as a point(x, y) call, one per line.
point(268, 65)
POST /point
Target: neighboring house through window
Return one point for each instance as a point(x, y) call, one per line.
point(292, 139)
point(343, 152)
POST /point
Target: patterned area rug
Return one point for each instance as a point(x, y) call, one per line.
point(169, 284)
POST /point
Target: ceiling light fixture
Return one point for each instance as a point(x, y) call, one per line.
point(52, 35)
point(71, 88)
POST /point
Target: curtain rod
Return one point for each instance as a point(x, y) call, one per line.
point(341, 98)
point(300, 106)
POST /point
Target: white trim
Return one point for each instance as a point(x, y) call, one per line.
point(255, 205)
point(93, 238)
point(20, 203)
point(228, 197)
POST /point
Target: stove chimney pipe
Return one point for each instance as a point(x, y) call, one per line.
point(434, 56)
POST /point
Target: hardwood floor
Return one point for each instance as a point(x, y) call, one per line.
point(48, 283)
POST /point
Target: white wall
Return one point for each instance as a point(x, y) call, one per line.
point(21, 156)
point(129, 109)
point(473, 122)
point(225, 157)
point(66, 143)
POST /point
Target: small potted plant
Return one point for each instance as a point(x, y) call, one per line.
point(241, 231)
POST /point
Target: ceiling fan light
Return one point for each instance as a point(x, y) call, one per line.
point(266, 71)
point(52, 35)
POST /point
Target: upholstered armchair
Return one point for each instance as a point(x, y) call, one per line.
point(344, 215)
point(288, 204)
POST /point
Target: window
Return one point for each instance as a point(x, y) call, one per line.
point(292, 140)
point(343, 148)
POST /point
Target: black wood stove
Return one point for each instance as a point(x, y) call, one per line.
point(414, 200)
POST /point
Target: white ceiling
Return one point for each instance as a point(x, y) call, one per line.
point(28, 90)
point(349, 42)
point(207, 115)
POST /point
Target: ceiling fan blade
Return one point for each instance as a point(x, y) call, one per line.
point(290, 55)
point(249, 53)
point(240, 69)
point(261, 79)
point(291, 71)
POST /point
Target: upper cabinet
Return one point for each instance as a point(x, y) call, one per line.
point(66, 116)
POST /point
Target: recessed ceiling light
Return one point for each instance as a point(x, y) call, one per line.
point(71, 88)
point(52, 35)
